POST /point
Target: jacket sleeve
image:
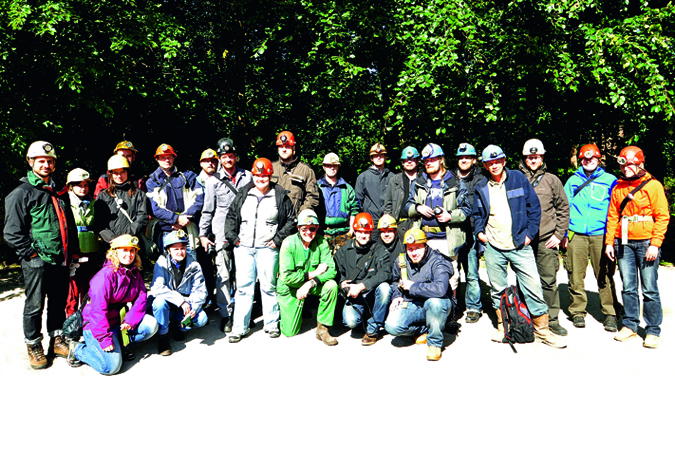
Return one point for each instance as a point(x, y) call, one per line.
point(660, 212)
point(438, 286)
point(312, 195)
point(479, 214)
point(102, 218)
point(359, 189)
point(353, 206)
point(161, 279)
point(388, 206)
point(562, 209)
point(101, 185)
point(533, 210)
point(137, 311)
point(17, 224)
point(291, 277)
point(612, 218)
point(287, 222)
point(73, 240)
point(233, 219)
point(99, 292)
point(142, 214)
point(396, 278)
point(208, 210)
point(411, 202)
point(158, 212)
point(198, 292)
point(326, 258)
point(197, 206)
point(463, 210)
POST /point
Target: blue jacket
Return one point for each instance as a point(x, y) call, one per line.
point(340, 204)
point(182, 195)
point(191, 288)
point(588, 210)
point(523, 201)
point(431, 277)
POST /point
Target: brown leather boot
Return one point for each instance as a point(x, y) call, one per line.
point(498, 336)
point(543, 334)
point(322, 334)
point(36, 356)
point(164, 347)
point(58, 347)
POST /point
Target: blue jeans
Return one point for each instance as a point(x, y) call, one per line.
point(352, 315)
point(109, 363)
point(165, 311)
point(261, 263)
point(525, 266)
point(421, 317)
point(631, 260)
point(468, 258)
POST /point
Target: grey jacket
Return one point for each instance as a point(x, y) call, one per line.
point(217, 200)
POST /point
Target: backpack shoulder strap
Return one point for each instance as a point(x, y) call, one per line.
point(582, 186)
point(631, 194)
point(402, 266)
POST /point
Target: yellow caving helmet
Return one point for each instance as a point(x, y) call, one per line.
point(117, 162)
point(125, 241)
point(415, 236)
point(386, 222)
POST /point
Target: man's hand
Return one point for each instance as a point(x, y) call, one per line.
point(609, 251)
point(355, 289)
point(564, 242)
point(303, 291)
point(187, 309)
point(652, 253)
point(445, 217)
point(405, 284)
point(125, 326)
point(182, 220)
point(321, 269)
point(482, 237)
point(425, 210)
point(205, 242)
point(553, 242)
point(109, 348)
point(527, 240)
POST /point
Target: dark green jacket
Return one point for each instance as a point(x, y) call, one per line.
point(39, 219)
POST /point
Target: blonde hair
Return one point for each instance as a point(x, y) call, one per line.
point(111, 256)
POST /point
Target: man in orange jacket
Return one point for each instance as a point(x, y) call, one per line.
point(636, 225)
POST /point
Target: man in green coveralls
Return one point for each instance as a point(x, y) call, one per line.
point(306, 267)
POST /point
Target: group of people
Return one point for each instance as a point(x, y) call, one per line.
point(387, 253)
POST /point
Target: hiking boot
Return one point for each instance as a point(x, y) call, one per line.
point(127, 354)
point(58, 347)
point(651, 341)
point(368, 339)
point(164, 346)
point(556, 328)
point(421, 339)
point(322, 334)
point(433, 353)
point(579, 321)
point(498, 335)
point(72, 360)
point(226, 325)
point(36, 356)
point(472, 316)
point(275, 334)
point(543, 334)
point(625, 334)
point(610, 324)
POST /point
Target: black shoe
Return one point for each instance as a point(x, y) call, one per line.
point(127, 355)
point(579, 321)
point(226, 325)
point(472, 317)
point(610, 324)
point(164, 347)
point(556, 328)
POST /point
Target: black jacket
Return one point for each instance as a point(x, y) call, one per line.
point(374, 271)
point(110, 223)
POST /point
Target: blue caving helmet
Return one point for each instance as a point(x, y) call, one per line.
point(175, 237)
point(432, 151)
point(409, 152)
point(466, 150)
point(492, 152)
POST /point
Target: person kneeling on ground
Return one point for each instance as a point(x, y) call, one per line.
point(420, 303)
point(119, 282)
point(306, 268)
point(364, 274)
point(178, 289)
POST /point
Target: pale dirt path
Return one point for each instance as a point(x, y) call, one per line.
point(297, 392)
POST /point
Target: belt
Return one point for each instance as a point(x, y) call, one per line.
point(625, 220)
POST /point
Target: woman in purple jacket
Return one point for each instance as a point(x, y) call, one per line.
point(118, 283)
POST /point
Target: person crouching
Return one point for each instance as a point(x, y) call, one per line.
point(178, 289)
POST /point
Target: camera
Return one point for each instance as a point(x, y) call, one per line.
point(438, 211)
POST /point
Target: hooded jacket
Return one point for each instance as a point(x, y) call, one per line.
point(431, 277)
point(109, 291)
point(191, 287)
point(588, 209)
point(555, 210)
point(38, 219)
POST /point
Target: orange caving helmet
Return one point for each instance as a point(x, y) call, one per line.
point(631, 155)
point(588, 151)
point(363, 222)
point(285, 137)
point(262, 166)
point(165, 149)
